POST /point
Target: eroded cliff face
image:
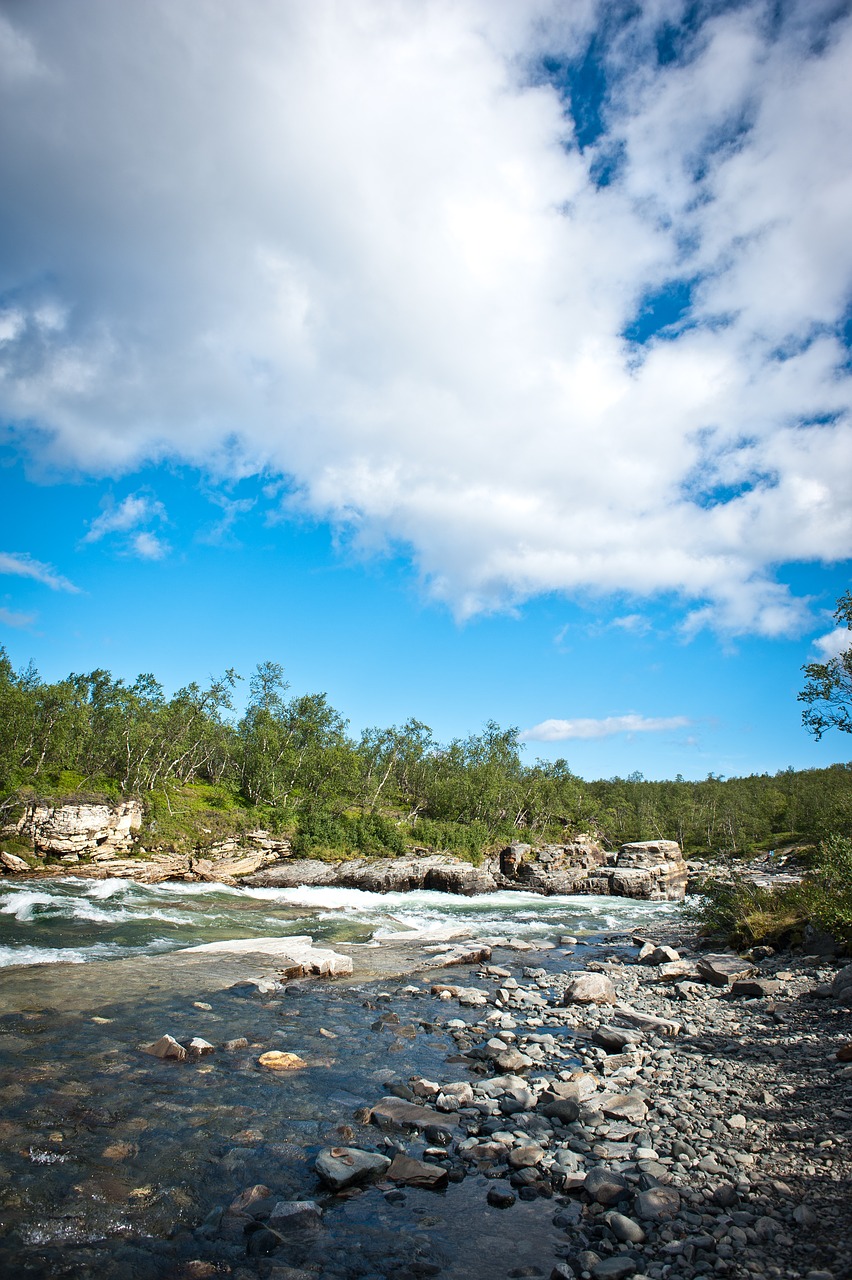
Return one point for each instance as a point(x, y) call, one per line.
point(69, 829)
point(652, 870)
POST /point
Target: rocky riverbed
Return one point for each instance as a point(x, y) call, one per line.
point(621, 1109)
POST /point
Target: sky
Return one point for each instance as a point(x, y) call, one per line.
point(473, 359)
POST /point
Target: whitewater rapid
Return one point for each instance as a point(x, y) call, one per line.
point(80, 921)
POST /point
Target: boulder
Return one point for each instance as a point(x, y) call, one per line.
point(296, 956)
point(13, 864)
point(658, 955)
point(198, 1048)
point(295, 1215)
point(397, 1112)
point(165, 1047)
point(618, 1267)
point(658, 1204)
point(841, 987)
point(525, 1157)
point(340, 1167)
point(251, 1196)
point(604, 1186)
point(500, 1198)
point(589, 988)
point(615, 1039)
point(417, 1173)
point(475, 954)
point(722, 970)
point(623, 1106)
point(647, 1022)
point(625, 1229)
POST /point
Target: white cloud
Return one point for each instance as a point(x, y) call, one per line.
point(356, 245)
point(148, 546)
point(833, 644)
point(562, 730)
point(134, 510)
point(22, 565)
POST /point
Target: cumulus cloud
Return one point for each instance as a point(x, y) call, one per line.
point(134, 510)
point(148, 546)
point(607, 727)
point(362, 247)
point(21, 565)
point(832, 645)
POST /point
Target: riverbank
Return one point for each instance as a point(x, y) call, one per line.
point(719, 1146)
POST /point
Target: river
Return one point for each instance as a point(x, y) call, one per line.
point(112, 1160)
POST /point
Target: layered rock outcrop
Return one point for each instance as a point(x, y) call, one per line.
point(652, 870)
point(107, 834)
point(80, 828)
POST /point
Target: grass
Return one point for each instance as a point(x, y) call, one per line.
point(744, 914)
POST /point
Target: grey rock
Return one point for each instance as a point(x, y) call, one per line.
point(295, 1215)
point(619, 1267)
point(625, 1229)
point(390, 1111)
point(341, 1167)
point(755, 988)
point(623, 1106)
point(604, 1186)
point(615, 1039)
point(500, 1198)
point(841, 986)
point(722, 970)
point(658, 1204)
point(525, 1157)
point(565, 1110)
point(589, 988)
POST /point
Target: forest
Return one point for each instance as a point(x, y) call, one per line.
point(288, 763)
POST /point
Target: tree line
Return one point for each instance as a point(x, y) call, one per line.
point(289, 763)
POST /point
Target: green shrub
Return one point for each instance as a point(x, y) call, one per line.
point(826, 892)
point(323, 831)
point(742, 913)
point(468, 840)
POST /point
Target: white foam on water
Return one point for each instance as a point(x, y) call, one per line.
point(22, 905)
point(10, 956)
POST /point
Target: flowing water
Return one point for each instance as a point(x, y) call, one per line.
point(111, 1160)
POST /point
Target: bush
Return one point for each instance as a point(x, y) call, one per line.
point(826, 892)
point(742, 913)
point(466, 840)
point(322, 830)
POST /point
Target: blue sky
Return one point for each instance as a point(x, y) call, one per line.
point(472, 361)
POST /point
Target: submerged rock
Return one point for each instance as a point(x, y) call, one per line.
point(416, 1173)
point(276, 1060)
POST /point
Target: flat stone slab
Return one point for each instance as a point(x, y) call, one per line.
point(396, 1111)
point(417, 1173)
point(722, 970)
point(646, 1021)
point(298, 954)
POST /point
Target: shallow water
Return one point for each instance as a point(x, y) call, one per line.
point(112, 1160)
